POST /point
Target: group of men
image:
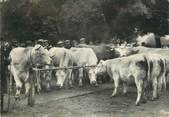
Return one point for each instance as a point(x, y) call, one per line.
point(141, 66)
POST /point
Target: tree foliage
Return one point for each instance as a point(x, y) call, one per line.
point(92, 19)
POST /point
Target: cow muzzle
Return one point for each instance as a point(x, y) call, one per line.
point(59, 86)
point(94, 83)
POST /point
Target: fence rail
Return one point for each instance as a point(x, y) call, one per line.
point(61, 68)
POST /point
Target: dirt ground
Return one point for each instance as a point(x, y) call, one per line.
point(89, 101)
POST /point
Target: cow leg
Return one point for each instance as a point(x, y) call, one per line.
point(27, 84)
point(73, 74)
point(48, 86)
point(159, 85)
point(38, 81)
point(155, 87)
point(139, 85)
point(80, 76)
point(70, 83)
point(116, 84)
point(167, 80)
point(164, 82)
point(48, 77)
point(100, 79)
point(125, 88)
point(80, 82)
point(144, 97)
point(67, 81)
point(17, 81)
point(70, 78)
point(27, 88)
point(48, 82)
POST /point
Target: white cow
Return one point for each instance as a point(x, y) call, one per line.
point(85, 57)
point(146, 40)
point(156, 73)
point(126, 51)
point(126, 69)
point(165, 40)
point(161, 54)
point(22, 60)
point(62, 57)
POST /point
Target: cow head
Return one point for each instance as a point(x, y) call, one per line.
point(142, 42)
point(40, 56)
point(92, 76)
point(61, 76)
point(125, 51)
point(147, 40)
point(101, 68)
point(122, 51)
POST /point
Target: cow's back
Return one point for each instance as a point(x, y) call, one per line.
point(133, 65)
point(19, 55)
point(103, 52)
point(56, 54)
point(81, 56)
point(161, 51)
point(60, 56)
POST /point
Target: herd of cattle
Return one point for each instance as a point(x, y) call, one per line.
point(142, 66)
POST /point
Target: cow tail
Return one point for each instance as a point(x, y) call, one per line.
point(164, 72)
point(147, 68)
point(9, 59)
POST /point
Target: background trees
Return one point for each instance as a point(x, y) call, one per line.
point(72, 19)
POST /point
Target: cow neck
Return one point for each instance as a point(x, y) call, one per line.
point(30, 60)
point(107, 68)
point(54, 60)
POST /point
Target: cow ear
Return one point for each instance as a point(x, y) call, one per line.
point(57, 73)
point(37, 47)
point(102, 62)
point(113, 48)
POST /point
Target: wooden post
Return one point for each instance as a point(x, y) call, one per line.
point(31, 96)
point(2, 75)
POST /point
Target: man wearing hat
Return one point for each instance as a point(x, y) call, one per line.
point(74, 43)
point(82, 42)
point(28, 43)
point(67, 44)
point(41, 42)
point(60, 44)
point(14, 43)
point(23, 44)
point(46, 44)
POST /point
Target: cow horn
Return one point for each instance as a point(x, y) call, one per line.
point(37, 47)
point(112, 49)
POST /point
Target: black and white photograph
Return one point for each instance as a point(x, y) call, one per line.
point(84, 58)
